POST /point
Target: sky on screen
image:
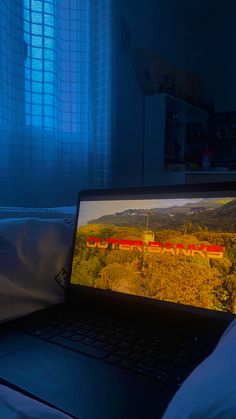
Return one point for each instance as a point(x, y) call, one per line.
point(90, 210)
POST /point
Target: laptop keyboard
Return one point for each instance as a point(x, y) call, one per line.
point(149, 352)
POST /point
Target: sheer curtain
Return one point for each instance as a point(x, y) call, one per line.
point(55, 99)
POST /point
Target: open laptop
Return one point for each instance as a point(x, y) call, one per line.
point(149, 296)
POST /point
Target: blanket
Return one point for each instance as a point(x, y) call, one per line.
point(35, 250)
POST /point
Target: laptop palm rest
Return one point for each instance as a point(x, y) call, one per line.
point(80, 385)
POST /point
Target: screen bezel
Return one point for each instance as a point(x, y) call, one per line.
point(135, 303)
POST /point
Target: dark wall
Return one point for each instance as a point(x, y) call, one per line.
point(150, 24)
point(211, 44)
point(198, 35)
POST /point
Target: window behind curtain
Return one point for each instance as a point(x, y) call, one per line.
point(74, 86)
point(40, 76)
point(101, 71)
point(11, 97)
point(56, 105)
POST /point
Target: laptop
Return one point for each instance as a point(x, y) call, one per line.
point(150, 294)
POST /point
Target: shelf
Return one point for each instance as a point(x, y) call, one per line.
point(216, 140)
point(166, 119)
point(184, 103)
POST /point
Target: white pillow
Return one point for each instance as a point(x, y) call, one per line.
point(210, 391)
point(34, 264)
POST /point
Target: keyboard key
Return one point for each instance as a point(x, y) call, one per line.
point(136, 356)
point(133, 333)
point(79, 347)
point(112, 359)
point(165, 356)
point(126, 363)
point(155, 346)
point(151, 352)
point(119, 335)
point(139, 348)
point(166, 366)
point(47, 328)
point(80, 331)
point(142, 369)
point(130, 339)
point(87, 341)
point(62, 326)
point(103, 338)
point(184, 363)
point(142, 342)
point(91, 335)
point(77, 337)
point(98, 329)
point(47, 336)
point(122, 352)
point(98, 344)
point(108, 333)
point(114, 341)
point(66, 334)
point(180, 371)
point(37, 333)
point(125, 344)
point(86, 326)
point(150, 361)
point(183, 354)
point(110, 348)
point(72, 329)
point(162, 376)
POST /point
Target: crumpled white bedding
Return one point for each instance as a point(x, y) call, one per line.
point(210, 391)
point(14, 405)
point(35, 247)
point(34, 260)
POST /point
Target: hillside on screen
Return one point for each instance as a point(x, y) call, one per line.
point(178, 253)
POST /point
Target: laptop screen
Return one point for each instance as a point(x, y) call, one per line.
point(175, 249)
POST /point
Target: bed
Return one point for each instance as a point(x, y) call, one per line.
point(35, 247)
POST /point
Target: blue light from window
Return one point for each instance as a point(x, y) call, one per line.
point(39, 35)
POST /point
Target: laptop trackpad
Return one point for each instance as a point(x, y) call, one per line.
point(79, 384)
point(42, 368)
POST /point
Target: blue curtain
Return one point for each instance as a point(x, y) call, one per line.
point(55, 99)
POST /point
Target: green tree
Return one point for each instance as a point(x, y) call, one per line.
point(119, 277)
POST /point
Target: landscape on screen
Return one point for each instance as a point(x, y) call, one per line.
point(183, 253)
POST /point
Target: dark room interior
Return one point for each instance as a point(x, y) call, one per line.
point(115, 93)
point(117, 209)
